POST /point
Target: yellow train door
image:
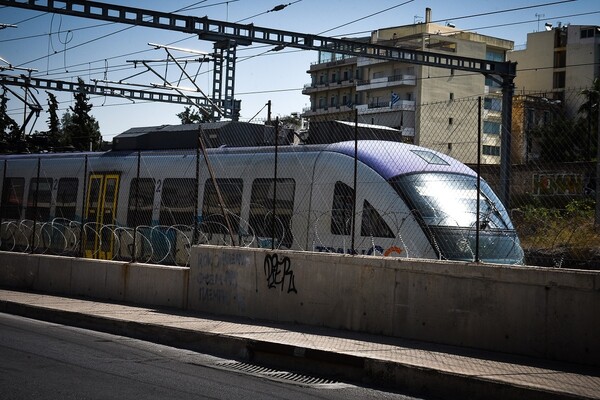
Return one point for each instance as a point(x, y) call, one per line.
point(100, 215)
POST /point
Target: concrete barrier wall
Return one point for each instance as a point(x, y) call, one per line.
point(110, 280)
point(547, 313)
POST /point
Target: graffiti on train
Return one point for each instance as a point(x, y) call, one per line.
point(375, 250)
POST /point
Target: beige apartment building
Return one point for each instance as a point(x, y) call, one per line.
point(559, 60)
point(425, 104)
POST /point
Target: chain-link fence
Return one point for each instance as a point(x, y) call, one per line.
point(346, 186)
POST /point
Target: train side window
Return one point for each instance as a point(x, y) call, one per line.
point(177, 203)
point(43, 188)
point(12, 197)
point(139, 211)
point(261, 209)
point(66, 198)
point(213, 220)
point(373, 224)
point(342, 209)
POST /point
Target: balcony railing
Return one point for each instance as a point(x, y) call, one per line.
point(387, 81)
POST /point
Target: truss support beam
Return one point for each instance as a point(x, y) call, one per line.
point(104, 90)
point(214, 30)
point(224, 79)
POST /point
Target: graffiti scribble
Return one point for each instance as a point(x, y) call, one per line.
point(277, 272)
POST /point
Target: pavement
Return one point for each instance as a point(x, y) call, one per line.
point(406, 366)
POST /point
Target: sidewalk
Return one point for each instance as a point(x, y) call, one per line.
point(426, 369)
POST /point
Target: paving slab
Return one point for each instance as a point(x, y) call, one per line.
point(370, 359)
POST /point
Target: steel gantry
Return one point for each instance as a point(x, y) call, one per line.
point(101, 89)
point(228, 35)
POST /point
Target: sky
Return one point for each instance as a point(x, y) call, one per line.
point(64, 48)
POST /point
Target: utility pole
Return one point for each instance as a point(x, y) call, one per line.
point(597, 219)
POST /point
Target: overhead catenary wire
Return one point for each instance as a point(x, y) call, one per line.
point(271, 53)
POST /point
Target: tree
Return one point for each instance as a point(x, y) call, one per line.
point(54, 131)
point(192, 116)
point(588, 112)
point(80, 129)
point(10, 133)
point(561, 141)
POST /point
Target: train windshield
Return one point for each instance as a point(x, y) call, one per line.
point(446, 205)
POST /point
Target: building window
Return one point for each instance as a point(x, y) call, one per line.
point(492, 83)
point(66, 198)
point(377, 75)
point(342, 209)
point(491, 127)
point(494, 55)
point(261, 209)
point(12, 198)
point(373, 224)
point(492, 104)
point(529, 119)
point(178, 201)
point(141, 200)
point(491, 150)
point(587, 33)
point(559, 80)
point(39, 199)
point(213, 220)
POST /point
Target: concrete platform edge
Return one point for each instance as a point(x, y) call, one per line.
point(343, 367)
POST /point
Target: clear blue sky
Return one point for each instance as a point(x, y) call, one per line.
point(40, 40)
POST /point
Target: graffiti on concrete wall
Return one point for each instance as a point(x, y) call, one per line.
point(279, 273)
point(216, 285)
point(558, 184)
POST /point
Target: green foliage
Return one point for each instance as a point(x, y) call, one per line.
point(561, 141)
point(79, 128)
point(10, 132)
point(54, 128)
point(588, 112)
point(192, 116)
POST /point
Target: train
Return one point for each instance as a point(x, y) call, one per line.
point(366, 197)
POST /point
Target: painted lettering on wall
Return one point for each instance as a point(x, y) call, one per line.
point(215, 287)
point(557, 184)
point(279, 273)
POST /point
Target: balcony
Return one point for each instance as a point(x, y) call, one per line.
point(324, 86)
point(313, 111)
point(372, 108)
point(388, 81)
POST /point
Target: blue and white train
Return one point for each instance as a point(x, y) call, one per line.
point(409, 202)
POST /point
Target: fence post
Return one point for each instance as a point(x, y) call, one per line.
point(477, 222)
point(81, 249)
point(275, 184)
point(35, 204)
point(137, 208)
point(2, 197)
point(353, 228)
point(195, 234)
point(508, 88)
point(597, 219)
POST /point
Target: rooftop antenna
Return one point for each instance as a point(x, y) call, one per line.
point(538, 16)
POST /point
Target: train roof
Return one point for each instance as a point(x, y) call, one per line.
point(388, 158)
point(391, 159)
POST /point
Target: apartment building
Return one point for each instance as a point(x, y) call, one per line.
point(423, 103)
point(559, 60)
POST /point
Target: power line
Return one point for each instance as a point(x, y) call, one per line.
point(504, 11)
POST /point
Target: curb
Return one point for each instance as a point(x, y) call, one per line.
point(408, 379)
